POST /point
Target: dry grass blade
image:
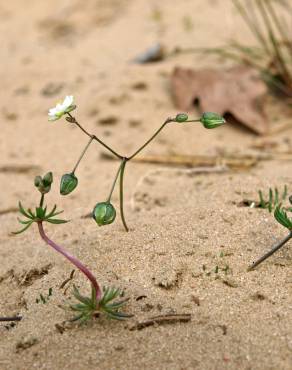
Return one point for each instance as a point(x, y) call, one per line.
point(273, 38)
point(8, 210)
point(232, 162)
point(252, 23)
point(278, 56)
point(19, 169)
point(279, 25)
point(272, 56)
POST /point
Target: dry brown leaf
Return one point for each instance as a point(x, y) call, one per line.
point(237, 91)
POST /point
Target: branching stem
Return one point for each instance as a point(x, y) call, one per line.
point(124, 160)
point(73, 120)
point(151, 138)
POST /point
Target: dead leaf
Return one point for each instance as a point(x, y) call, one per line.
point(237, 91)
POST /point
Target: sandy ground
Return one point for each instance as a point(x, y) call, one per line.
point(182, 223)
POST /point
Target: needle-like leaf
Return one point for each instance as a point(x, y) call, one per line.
point(22, 230)
point(282, 217)
point(56, 221)
point(21, 209)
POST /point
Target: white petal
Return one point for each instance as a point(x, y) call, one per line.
point(53, 111)
point(59, 107)
point(53, 118)
point(68, 101)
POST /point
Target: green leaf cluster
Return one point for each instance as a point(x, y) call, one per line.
point(274, 198)
point(90, 307)
point(281, 216)
point(39, 215)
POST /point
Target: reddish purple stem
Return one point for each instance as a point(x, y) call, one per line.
point(72, 259)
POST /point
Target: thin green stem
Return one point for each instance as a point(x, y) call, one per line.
point(272, 251)
point(73, 120)
point(82, 155)
point(122, 170)
point(114, 183)
point(42, 200)
point(151, 138)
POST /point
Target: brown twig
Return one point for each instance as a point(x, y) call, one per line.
point(13, 318)
point(67, 280)
point(161, 320)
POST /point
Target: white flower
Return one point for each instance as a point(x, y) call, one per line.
point(61, 108)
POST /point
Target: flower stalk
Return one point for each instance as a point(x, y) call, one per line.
point(72, 259)
point(124, 162)
point(209, 120)
point(82, 155)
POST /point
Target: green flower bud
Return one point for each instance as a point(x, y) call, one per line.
point(38, 181)
point(48, 179)
point(212, 120)
point(44, 184)
point(181, 117)
point(104, 213)
point(68, 183)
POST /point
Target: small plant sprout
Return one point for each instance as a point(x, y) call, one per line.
point(274, 198)
point(104, 212)
point(87, 307)
point(44, 298)
point(282, 217)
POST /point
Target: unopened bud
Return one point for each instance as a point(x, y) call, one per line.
point(44, 183)
point(104, 213)
point(38, 181)
point(48, 179)
point(181, 117)
point(68, 183)
point(212, 120)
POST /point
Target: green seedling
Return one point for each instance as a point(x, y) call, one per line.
point(217, 270)
point(100, 301)
point(44, 299)
point(274, 198)
point(105, 300)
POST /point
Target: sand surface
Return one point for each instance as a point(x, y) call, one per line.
point(183, 223)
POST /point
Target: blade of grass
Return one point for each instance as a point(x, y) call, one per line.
point(274, 43)
point(252, 25)
point(279, 26)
